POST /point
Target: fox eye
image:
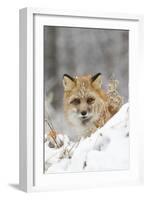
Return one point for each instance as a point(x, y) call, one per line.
point(90, 100)
point(75, 101)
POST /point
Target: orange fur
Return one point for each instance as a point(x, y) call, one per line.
point(84, 94)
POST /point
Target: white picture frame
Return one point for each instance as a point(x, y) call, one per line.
point(31, 99)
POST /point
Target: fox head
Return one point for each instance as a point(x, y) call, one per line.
point(83, 99)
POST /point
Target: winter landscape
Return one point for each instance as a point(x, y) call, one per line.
point(82, 51)
point(106, 149)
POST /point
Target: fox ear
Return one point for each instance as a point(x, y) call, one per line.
point(68, 82)
point(96, 80)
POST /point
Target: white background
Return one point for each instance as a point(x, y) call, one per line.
point(9, 100)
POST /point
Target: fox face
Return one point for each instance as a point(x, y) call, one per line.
point(84, 100)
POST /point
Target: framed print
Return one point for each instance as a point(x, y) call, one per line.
point(79, 107)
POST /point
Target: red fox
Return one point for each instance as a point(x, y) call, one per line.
point(86, 105)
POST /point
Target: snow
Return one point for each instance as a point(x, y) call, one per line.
point(106, 149)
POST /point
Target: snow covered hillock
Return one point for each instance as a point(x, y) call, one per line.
point(106, 149)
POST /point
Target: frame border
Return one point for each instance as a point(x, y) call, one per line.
point(26, 84)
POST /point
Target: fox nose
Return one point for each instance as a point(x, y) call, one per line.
point(84, 113)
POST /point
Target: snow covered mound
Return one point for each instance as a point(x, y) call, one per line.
point(106, 149)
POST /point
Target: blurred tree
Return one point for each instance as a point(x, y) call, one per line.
point(78, 51)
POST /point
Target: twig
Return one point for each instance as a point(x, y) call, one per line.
point(50, 125)
point(53, 130)
point(75, 144)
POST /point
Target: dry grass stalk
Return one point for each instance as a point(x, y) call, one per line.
point(52, 135)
